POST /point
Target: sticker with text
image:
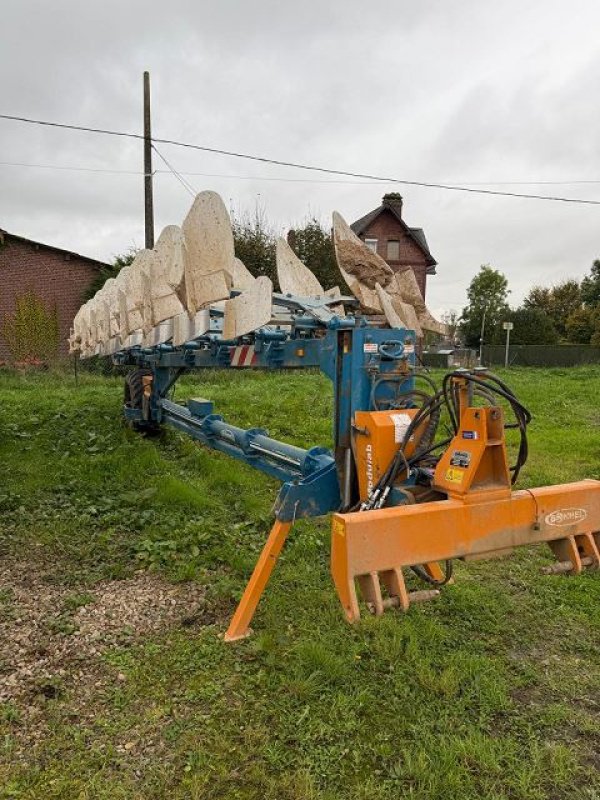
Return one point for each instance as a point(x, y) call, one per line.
point(401, 425)
point(460, 458)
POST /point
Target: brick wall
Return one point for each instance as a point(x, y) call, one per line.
point(386, 227)
point(59, 279)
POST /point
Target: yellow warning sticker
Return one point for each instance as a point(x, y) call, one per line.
point(339, 529)
point(454, 475)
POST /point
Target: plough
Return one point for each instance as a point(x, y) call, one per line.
point(402, 495)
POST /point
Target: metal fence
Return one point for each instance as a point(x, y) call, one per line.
point(541, 355)
point(457, 357)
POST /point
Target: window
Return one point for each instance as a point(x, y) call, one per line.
point(393, 250)
point(371, 244)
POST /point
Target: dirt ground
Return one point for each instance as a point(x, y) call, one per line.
point(52, 638)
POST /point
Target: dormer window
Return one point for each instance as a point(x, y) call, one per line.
point(371, 244)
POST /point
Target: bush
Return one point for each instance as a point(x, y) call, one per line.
point(31, 332)
point(314, 247)
point(103, 365)
point(532, 326)
point(255, 244)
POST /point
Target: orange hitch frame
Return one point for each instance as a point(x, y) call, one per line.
point(477, 516)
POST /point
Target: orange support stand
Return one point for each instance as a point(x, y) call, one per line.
point(240, 622)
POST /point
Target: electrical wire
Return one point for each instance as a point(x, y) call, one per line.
point(278, 178)
point(296, 165)
point(187, 186)
point(76, 169)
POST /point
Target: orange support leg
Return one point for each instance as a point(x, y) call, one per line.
point(434, 571)
point(239, 625)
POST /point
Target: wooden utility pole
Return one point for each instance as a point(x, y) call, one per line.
point(148, 199)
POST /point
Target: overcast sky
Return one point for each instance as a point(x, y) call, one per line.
point(464, 92)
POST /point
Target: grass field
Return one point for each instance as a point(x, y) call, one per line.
point(492, 691)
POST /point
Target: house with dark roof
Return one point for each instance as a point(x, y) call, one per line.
point(387, 234)
point(59, 278)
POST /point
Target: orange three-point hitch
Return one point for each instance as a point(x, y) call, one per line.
point(475, 515)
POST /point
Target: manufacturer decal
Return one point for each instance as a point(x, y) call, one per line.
point(566, 516)
point(369, 457)
point(460, 458)
point(470, 435)
point(409, 348)
point(454, 475)
point(370, 347)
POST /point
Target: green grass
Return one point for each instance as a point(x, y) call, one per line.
point(490, 692)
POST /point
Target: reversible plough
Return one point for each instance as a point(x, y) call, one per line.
point(402, 494)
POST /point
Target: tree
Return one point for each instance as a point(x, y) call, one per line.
point(532, 326)
point(314, 247)
point(566, 299)
point(487, 295)
point(583, 325)
point(255, 241)
point(539, 297)
point(451, 321)
point(110, 271)
point(255, 244)
point(559, 302)
point(590, 286)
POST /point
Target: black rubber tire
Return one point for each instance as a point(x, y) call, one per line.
point(133, 397)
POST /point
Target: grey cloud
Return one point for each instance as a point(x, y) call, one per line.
point(430, 90)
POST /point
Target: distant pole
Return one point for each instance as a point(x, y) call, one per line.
point(508, 326)
point(481, 337)
point(148, 199)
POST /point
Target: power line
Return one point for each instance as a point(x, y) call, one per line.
point(312, 168)
point(73, 169)
point(181, 180)
point(280, 178)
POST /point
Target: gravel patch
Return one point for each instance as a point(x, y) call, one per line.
point(52, 637)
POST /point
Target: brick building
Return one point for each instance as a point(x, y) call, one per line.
point(58, 277)
point(385, 232)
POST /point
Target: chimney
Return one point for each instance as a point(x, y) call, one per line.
point(393, 200)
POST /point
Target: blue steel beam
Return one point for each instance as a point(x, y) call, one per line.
point(351, 353)
point(278, 459)
point(310, 482)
